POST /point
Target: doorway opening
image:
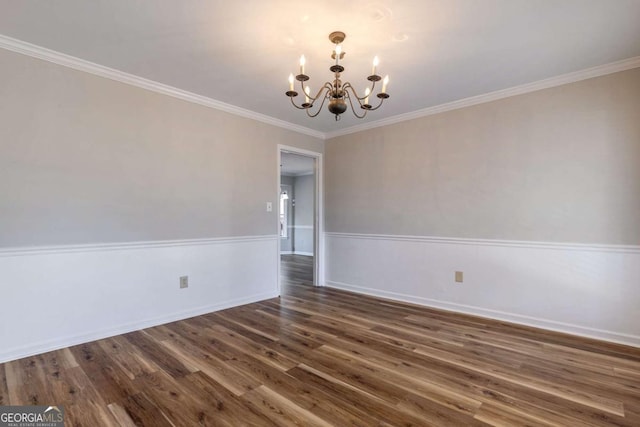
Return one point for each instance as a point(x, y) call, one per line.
point(299, 219)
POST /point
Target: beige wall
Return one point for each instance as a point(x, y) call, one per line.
point(84, 159)
point(557, 165)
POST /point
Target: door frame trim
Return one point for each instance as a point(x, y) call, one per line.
point(318, 213)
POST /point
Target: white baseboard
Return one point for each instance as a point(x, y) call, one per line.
point(303, 253)
point(296, 253)
point(599, 334)
point(63, 342)
point(581, 289)
point(67, 295)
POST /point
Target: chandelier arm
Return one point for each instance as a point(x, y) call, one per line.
point(324, 98)
point(312, 99)
point(351, 103)
point(294, 104)
point(326, 86)
point(347, 86)
point(377, 106)
point(304, 92)
point(360, 98)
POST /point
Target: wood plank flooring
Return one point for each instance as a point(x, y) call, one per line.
point(323, 357)
point(296, 270)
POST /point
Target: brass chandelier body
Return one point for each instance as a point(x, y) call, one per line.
point(336, 92)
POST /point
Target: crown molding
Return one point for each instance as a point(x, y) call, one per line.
point(75, 63)
point(69, 61)
point(576, 76)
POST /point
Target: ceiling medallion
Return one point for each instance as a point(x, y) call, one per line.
point(336, 92)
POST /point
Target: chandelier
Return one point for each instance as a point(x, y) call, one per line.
point(337, 92)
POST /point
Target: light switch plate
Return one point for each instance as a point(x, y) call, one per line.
point(269, 206)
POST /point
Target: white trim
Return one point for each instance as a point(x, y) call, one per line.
point(296, 253)
point(59, 343)
point(277, 219)
point(551, 325)
point(295, 150)
point(493, 242)
point(303, 227)
point(319, 235)
point(601, 70)
point(38, 250)
point(296, 175)
point(69, 61)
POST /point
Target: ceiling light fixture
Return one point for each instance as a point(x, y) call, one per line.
point(337, 92)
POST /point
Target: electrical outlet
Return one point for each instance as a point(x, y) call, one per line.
point(184, 282)
point(459, 276)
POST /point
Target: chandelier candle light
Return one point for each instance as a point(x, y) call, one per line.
point(336, 92)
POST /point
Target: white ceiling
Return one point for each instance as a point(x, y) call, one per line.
point(241, 52)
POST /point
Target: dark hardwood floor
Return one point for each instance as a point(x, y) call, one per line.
point(319, 357)
point(296, 270)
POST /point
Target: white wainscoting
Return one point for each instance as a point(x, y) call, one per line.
point(296, 253)
point(60, 296)
point(588, 290)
